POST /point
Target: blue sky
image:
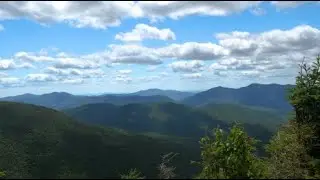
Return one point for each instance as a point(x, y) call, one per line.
point(98, 47)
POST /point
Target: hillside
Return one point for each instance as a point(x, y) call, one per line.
point(173, 94)
point(269, 119)
point(164, 118)
point(271, 96)
point(38, 142)
point(62, 100)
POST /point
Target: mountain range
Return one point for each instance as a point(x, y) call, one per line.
point(270, 96)
point(60, 135)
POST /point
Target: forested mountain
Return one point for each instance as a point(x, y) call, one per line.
point(172, 118)
point(173, 94)
point(268, 118)
point(62, 100)
point(38, 142)
point(273, 96)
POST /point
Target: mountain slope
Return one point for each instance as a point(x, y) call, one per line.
point(164, 118)
point(62, 100)
point(269, 119)
point(37, 142)
point(175, 95)
point(271, 96)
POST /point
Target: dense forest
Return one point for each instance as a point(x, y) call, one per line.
point(130, 137)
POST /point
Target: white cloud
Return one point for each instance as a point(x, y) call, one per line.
point(96, 14)
point(10, 82)
point(65, 63)
point(132, 54)
point(73, 81)
point(268, 51)
point(192, 76)
point(143, 31)
point(32, 57)
point(123, 78)
point(149, 78)
point(177, 9)
point(164, 74)
point(2, 74)
point(6, 64)
point(125, 71)
point(84, 73)
point(40, 78)
point(258, 11)
point(289, 4)
point(193, 50)
point(152, 68)
point(187, 66)
point(103, 14)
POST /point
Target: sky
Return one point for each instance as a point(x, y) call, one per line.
point(91, 47)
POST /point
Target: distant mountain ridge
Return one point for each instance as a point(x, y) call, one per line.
point(62, 100)
point(173, 94)
point(272, 96)
point(259, 95)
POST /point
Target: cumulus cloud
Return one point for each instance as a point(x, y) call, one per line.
point(164, 74)
point(248, 54)
point(143, 31)
point(193, 50)
point(152, 68)
point(65, 63)
point(96, 14)
point(103, 14)
point(192, 76)
point(149, 78)
point(123, 78)
point(258, 11)
point(187, 66)
point(132, 54)
point(177, 9)
point(267, 51)
point(10, 82)
point(84, 73)
point(289, 4)
point(6, 64)
point(33, 57)
point(73, 81)
point(125, 71)
point(40, 78)
point(2, 74)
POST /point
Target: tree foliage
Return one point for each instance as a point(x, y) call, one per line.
point(166, 171)
point(288, 157)
point(229, 156)
point(291, 153)
point(305, 97)
point(132, 174)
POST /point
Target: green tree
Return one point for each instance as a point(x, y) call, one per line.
point(291, 153)
point(132, 174)
point(229, 156)
point(305, 97)
point(288, 157)
point(165, 170)
point(2, 174)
